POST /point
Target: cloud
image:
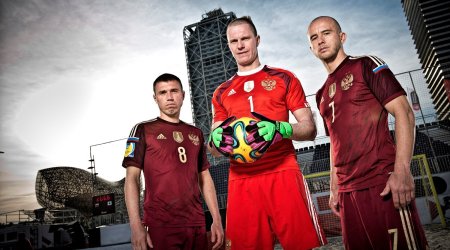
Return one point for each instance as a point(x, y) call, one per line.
point(17, 194)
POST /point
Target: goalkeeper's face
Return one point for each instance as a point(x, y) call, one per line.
point(243, 44)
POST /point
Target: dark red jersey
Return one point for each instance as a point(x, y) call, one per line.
point(351, 103)
point(171, 156)
point(272, 92)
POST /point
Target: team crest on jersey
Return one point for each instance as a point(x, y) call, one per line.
point(248, 86)
point(194, 139)
point(347, 82)
point(332, 90)
point(268, 84)
point(178, 136)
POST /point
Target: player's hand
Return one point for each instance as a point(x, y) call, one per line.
point(221, 138)
point(268, 128)
point(401, 185)
point(140, 239)
point(334, 203)
point(217, 235)
point(266, 132)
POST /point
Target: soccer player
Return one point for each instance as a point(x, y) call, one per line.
point(172, 156)
point(372, 188)
point(269, 197)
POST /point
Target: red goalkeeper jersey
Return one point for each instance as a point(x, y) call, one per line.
point(272, 92)
point(351, 103)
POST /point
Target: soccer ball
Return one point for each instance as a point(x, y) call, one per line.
point(242, 151)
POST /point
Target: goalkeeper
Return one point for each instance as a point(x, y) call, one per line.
point(269, 197)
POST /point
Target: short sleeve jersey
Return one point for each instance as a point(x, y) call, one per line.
point(171, 156)
point(272, 92)
point(351, 103)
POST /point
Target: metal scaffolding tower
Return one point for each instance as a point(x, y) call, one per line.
point(209, 62)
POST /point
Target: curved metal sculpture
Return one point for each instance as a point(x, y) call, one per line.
point(69, 187)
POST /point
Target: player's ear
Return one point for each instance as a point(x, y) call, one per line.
point(154, 97)
point(258, 38)
point(184, 93)
point(343, 37)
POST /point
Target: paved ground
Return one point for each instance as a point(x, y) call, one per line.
point(438, 239)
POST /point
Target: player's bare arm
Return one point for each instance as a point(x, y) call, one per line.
point(209, 195)
point(334, 199)
point(139, 236)
point(401, 182)
point(305, 128)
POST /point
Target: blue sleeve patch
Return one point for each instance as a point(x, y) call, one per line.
point(380, 68)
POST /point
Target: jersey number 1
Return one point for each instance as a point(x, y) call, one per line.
point(250, 100)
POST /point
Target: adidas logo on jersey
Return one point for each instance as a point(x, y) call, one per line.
point(232, 92)
point(161, 137)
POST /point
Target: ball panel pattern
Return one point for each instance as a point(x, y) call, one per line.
point(242, 151)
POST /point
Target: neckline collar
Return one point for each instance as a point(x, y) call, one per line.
point(250, 72)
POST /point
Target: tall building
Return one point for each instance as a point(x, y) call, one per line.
point(209, 62)
point(429, 22)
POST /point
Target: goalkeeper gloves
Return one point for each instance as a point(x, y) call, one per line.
point(268, 128)
point(221, 137)
point(267, 132)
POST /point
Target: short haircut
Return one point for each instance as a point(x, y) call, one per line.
point(165, 78)
point(338, 26)
point(244, 19)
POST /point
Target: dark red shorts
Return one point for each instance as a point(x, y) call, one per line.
point(370, 221)
point(176, 238)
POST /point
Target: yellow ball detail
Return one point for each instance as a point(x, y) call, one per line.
point(242, 151)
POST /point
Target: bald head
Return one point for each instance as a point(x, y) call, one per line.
point(333, 21)
point(326, 41)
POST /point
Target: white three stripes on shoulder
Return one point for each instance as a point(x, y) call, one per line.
point(133, 130)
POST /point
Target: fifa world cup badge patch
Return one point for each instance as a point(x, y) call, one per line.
point(248, 86)
point(129, 151)
point(178, 136)
point(332, 90)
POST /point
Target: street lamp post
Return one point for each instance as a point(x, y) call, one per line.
point(92, 168)
point(92, 161)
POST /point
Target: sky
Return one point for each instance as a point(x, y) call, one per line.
point(75, 75)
